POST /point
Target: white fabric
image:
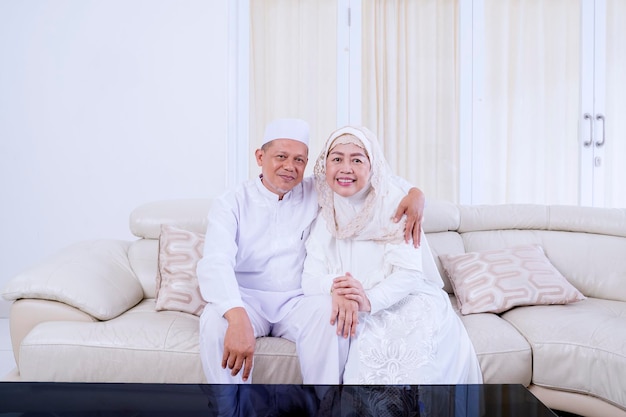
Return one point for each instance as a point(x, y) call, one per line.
point(254, 247)
point(531, 77)
point(373, 220)
point(410, 89)
point(532, 91)
point(404, 50)
point(400, 331)
point(297, 75)
point(411, 334)
point(253, 257)
point(294, 129)
point(321, 352)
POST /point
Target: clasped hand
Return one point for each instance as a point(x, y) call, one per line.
point(348, 299)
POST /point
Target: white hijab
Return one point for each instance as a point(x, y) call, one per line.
point(368, 214)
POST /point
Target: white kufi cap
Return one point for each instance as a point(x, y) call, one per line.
point(295, 129)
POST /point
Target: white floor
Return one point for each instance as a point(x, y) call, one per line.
point(7, 363)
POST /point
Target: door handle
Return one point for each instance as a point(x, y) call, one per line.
point(588, 143)
point(600, 117)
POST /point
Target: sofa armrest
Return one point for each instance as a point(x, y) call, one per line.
point(27, 313)
point(93, 276)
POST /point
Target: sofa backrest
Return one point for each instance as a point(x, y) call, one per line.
point(145, 223)
point(587, 245)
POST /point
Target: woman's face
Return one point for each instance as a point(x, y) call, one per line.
point(347, 169)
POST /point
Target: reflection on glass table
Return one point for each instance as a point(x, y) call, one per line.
point(94, 399)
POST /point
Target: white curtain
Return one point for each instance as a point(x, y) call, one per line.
point(527, 149)
point(293, 68)
point(410, 89)
point(615, 154)
point(528, 152)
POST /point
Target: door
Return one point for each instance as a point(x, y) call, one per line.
point(547, 98)
point(603, 104)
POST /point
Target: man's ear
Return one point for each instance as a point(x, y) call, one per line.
point(259, 154)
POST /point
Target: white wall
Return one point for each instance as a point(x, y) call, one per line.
point(105, 105)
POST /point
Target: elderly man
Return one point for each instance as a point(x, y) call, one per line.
point(250, 273)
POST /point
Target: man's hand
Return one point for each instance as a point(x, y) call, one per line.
point(239, 343)
point(413, 206)
point(345, 313)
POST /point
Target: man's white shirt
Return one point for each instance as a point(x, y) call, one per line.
point(254, 248)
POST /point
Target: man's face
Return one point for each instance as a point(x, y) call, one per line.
point(282, 164)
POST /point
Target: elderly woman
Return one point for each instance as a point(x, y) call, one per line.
point(405, 330)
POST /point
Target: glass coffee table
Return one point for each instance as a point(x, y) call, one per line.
point(42, 399)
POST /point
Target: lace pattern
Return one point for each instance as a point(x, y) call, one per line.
point(398, 345)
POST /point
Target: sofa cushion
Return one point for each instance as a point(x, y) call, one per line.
point(497, 280)
point(142, 257)
point(190, 214)
point(142, 345)
point(593, 263)
point(503, 216)
point(440, 216)
point(445, 243)
point(504, 355)
point(579, 347)
point(93, 276)
point(177, 283)
point(602, 221)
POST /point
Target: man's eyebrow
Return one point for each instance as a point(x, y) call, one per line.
point(295, 155)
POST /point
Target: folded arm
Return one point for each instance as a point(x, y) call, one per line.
point(404, 279)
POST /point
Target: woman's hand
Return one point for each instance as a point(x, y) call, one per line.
point(346, 314)
point(413, 206)
point(352, 289)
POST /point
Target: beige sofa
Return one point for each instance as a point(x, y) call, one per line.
point(88, 313)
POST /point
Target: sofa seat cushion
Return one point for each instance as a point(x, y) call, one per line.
point(143, 346)
point(579, 347)
point(276, 362)
point(504, 355)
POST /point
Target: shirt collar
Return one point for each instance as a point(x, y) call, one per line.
point(270, 195)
